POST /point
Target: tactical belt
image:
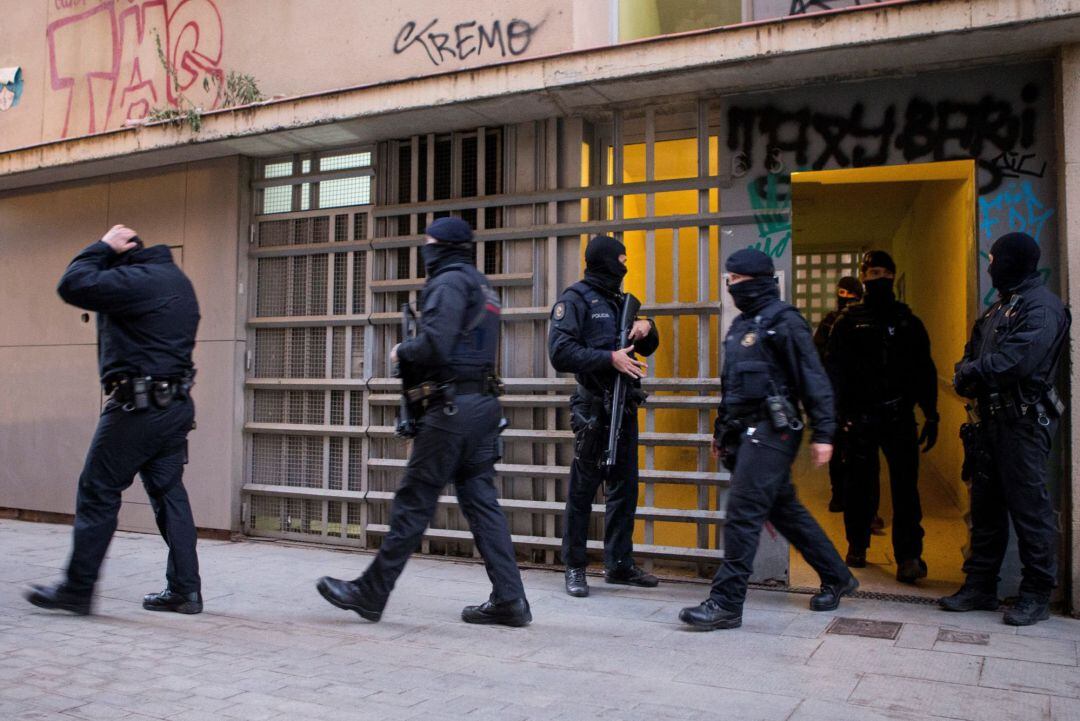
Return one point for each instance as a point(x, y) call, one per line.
point(139, 392)
point(1012, 406)
point(430, 392)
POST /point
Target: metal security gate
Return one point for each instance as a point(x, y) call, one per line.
point(330, 277)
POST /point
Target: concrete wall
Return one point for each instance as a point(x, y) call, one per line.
point(89, 65)
point(48, 351)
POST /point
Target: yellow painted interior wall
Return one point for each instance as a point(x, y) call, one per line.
point(934, 249)
point(673, 159)
point(927, 250)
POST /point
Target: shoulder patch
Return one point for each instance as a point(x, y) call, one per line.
point(559, 311)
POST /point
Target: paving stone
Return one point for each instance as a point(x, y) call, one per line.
point(881, 657)
point(1064, 709)
point(1027, 676)
point(971, 703)
point(1018, 648)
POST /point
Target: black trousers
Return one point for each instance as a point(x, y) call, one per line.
point(1010, 482)
point(895, 434)
point(620, 504)
point(152, 443)
point(836, 473)
point(761, 490)
point(462, 449)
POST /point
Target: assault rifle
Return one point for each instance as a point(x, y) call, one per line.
point(405, 427)
point(631, 306)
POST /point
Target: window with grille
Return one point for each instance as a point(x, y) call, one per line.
point(816, 276)
point(308, 320)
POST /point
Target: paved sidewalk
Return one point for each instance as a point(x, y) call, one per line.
point(268, 647)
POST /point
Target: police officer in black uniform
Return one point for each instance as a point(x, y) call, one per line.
point(454, 353)
point(878, 356)
point(848, 290)
point(146, 322)
point(770, 367)
point(1009, 368)
point(583, 340)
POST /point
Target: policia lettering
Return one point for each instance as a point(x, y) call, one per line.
point(1008, 371)
point(583, 340)
point(453, 358)
point(147, 315)
point(770, 366)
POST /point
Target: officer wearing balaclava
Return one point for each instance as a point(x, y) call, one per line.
point(878, 356)
point(455, 354)
point(1009, 369)
point(583, 340)
point(771, 372)
point(848, 290)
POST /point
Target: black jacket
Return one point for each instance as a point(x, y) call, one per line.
point(824, 329)
point(584, 332)
point(147, 312)
point(458, 334)
point(773, 349)
point(878, 353)
point(1015, 343)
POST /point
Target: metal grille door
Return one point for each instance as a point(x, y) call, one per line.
point(324, 462)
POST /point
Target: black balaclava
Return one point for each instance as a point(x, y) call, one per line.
point(454, 244)
point(878, 290)
point(1016, 257)
point(751, 296)
point(602, 267)
point(852, 285)
point(128, 257)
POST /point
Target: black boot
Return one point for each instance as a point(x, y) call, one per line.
point(709, 615)
point(970, 598)
point(576, 584)
point(345, 595)
point(828, 598)
point(58, 598)
point(1028, 611)
point(187, 603)
point(911, 570)
point(506, 613)
point(630, 576)
point(855, 558)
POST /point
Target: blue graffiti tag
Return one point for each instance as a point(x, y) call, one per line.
point(1015, 210)
point(774, 229)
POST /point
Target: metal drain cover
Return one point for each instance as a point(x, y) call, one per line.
point(972, 638)
point(864, 627)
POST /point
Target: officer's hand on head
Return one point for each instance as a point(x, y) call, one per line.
point(820, 453)
point(928, 435)
point(393, 353)
point(119, 238)
point(626, 365)
point(714, 448)
point(640, 329)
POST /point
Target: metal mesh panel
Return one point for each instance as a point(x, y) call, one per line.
point(273, 233)
point(357, 360)
point(277, 199)
point(816, 276)
point(359, 303)
point(341, 277)
point(360, 221)
point(346, 161)
point(356, 456)
point(270, 353)
point(356, 408)
point(303, 461)
point(266, 459)
point(269, 406)
point(355, 520)
point(345, 191)
point(337, 408)
point(281, 169)
point(335, 478)
point(337, 359)
point(272, 284)
point(341, 228)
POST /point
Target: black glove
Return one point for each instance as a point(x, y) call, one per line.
point(928, 435)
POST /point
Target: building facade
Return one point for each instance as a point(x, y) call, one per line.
point(811, 130)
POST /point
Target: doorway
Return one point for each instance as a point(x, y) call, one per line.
point(924, 216)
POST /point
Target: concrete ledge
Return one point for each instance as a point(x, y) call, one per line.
point(862, 42)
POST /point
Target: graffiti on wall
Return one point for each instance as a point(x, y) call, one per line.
point(993, 131)
point(999, 131)
point(104, 64)
point(466, 39)
point(11, 87)
point(802, 7)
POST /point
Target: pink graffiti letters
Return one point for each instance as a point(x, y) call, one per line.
point(103, 58)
